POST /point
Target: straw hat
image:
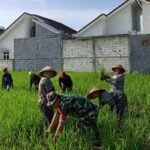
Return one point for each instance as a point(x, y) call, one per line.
point(119, 66)
point(48, 69)
point(94, 92)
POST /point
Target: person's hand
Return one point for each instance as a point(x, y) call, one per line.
point(54, 139)
point(104, 77)
point(46, 133)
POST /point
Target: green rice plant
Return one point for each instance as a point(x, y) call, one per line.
point(22, 127)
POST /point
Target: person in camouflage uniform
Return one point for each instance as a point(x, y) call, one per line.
point(119, 101)
point(46, 86)
point(69, 105)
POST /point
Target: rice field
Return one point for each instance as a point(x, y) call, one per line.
point(22, 127)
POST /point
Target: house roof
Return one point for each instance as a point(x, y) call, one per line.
point(102, 15)
point(106, 15)
point(57, 25)
point(1, 31)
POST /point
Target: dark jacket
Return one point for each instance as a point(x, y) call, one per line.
point(66, 81)
point(34, 79)
point(7, 81)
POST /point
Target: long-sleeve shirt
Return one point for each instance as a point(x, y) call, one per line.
point(77, 107)
point(116, 83)
point(7, 81)
point(45, 86)
point(34, 79)
point(65, 81)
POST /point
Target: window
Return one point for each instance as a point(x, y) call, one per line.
point(33, 32)
point(5, 55)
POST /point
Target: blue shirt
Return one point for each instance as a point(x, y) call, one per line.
point(7, 81)
point(116, 83)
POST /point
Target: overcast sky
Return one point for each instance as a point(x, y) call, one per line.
point(74, 13)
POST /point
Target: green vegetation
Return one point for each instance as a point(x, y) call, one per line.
point(21, 124)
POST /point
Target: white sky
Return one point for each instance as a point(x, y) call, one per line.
point(74, 13)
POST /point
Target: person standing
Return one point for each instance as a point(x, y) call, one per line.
point(117, 80)
point(116, 83)
point(7, 81)
point(65, 82)
point(46, 86)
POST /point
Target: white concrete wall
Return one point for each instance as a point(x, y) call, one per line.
point(97, 29)
point(6, 63)
point(19, 31)
point(111, 46)
point(89, 54)
point(146, 17)
point(78, 64)
point(77, 55)
point(77, 48)
point(119, 22)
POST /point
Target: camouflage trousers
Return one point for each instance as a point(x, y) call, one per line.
point(89, 122)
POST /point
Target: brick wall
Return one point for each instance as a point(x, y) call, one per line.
point(89, 53)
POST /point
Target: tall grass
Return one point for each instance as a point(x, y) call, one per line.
point(21, 122)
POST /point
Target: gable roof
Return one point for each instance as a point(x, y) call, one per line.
point(1, 31)
point(57, 25)
point(106, 15)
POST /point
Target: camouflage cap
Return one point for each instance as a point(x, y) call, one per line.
point(51, 98)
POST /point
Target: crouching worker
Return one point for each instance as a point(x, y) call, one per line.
point(68, 105)
point(119, 101)
point(34, 79)
point(46, 86)
point(7, 81)
point(65, 82)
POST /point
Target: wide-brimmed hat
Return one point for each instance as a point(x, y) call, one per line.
point(119, 66)
point(93, 93)
point(51, 98)
point(53, 73)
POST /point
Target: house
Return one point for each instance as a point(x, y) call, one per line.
point(120, 37)
point(2, 29)
point(132, 17)
point(31, 39)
